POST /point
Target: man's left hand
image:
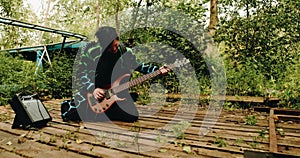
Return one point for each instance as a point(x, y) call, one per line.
point(164, 70)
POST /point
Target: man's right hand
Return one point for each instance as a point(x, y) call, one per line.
point(99, 93)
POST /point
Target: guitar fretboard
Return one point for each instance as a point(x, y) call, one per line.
point(136, 81)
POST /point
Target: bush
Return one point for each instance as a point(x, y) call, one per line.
point(244, 80)
point(57, 79)
point(290, 87)
point(16, 76)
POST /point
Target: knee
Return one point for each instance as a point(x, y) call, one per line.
point(131, 118)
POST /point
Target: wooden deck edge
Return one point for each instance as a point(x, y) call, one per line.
point(272, 133)
point(262, 154)
point(246, 99)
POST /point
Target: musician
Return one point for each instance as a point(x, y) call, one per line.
point(114, 60)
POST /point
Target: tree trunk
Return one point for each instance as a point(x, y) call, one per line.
point(213, 21)
point(117, 16)
point(135, 14)
point(45, 21)
point(97, 14)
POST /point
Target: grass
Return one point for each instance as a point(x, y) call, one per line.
point(220, 142)
point(250, 120)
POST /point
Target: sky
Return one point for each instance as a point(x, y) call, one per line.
point(36, 5)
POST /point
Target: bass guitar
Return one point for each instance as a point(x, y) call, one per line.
point(100, 106)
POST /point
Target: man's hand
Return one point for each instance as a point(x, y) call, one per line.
point(99, 93)
point(164, 70)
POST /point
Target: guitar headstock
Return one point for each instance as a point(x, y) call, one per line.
point(179, 63)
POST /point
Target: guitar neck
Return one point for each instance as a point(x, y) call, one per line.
point(143, 78)
point(136, 81)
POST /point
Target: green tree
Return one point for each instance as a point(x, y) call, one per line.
point(12, 36)
point(213, 18)
point(260, 35)
point(265, 36)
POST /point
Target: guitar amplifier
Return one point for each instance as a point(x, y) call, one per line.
point(30, 111)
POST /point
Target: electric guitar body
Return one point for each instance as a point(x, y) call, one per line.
point(100, 106)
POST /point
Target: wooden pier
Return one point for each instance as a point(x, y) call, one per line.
point(160, 132)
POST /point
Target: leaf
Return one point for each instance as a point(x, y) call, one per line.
point(9, 143)
point(163, 150)
point(79, 141)
point(187, 149)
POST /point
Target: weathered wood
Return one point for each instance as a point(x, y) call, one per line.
point(272, 132)
point(106, 128)
point(260, 154)
point(287, 112)
point(229, 98)
point(47, 134)
point(20, 145)
point(190, 139)
point(4, 154)
point(278, 111)
point(288, 118)
point(156, 131)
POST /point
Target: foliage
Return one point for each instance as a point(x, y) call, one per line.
point(221, 142)
point(57, 79)
point(250, 120)
point(239, 141)
point(165, 40)
point(258, 39)
point(290, 89)
point(10, 36)
point(179, 129)
point(244, 80)
point(259, 43)
point(16, 76)
point(187, 149)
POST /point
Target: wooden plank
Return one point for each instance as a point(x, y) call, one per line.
point(168, 116)
point(44, 137)
point(104, 127)
point(262, 109)
point(260, 154)
point(222, 122)
point(229, 98)
point(211, 137)
point(272, 132)
point(191, 133)
point(195, 143)
point(290, 149)
point(20, 145)
point(193, 138)
point(155, 119)
point(7, 154)
point(116, 135)
point(287, 112)
point(203, 152)
point(288, 118)
point(151, 120)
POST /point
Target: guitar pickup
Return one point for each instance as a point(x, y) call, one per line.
point(108, 94)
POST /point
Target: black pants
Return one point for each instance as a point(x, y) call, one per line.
point(125, 112)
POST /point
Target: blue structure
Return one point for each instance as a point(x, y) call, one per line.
point(38, 53)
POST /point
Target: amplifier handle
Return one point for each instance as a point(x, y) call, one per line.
point(30, 97)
